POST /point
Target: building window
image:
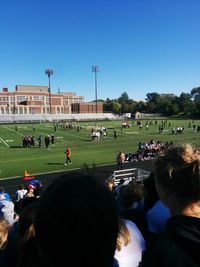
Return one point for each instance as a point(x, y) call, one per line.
point(32, 110)
point(21, 98)
point(38, 98)
point(3, 99)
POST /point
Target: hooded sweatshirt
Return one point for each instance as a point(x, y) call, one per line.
point(7, 211)
point(178, 246)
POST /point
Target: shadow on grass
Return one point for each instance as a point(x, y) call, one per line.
point(54, 163)
point(16, 147)
point(32, 147)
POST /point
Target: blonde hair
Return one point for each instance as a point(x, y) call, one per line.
point(4, 230)
point(124, 237)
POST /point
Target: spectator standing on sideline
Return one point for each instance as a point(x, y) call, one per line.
point(115, 134)
point(68, 156)
point(120, 160)
point(39, 140)
point(177, 177)
point(52, 139)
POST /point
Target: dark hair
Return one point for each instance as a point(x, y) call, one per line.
point(130, 193)
point(77, 222)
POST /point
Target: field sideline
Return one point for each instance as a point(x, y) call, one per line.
point(14, 159)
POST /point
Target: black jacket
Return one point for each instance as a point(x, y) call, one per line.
point(179, 246)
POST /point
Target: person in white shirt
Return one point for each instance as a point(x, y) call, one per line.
point(130, 244)
point(21, 192)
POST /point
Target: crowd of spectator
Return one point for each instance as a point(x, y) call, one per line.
point(81, 221)
point(148, 150)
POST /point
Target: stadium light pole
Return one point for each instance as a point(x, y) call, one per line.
point(49, 72)
point(95, 69)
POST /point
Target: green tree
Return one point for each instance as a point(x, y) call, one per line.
point(195, 94)
point(185, 103)
point(154, 103)
point(125, 102)
point(116, 107)
point(169, 104)
point(141, 106)
point(107, 106)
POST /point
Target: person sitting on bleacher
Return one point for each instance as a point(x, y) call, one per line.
point(130, 204)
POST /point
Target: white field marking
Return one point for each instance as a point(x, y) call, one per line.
point(16, 132)
point(45, 157)
point(79, 137)
point(131, 132)
point(12, 130)
point(58, 171)
point(45, 134)
point(9, 141)
point(59, 137)
point(4, 142)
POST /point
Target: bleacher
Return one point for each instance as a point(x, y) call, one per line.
point(38, 118)
point(128, 175)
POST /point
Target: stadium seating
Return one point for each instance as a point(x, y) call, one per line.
point(23, 118)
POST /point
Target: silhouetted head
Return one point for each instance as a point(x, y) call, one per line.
point(76, 222)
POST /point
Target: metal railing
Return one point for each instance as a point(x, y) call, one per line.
point(125, 176)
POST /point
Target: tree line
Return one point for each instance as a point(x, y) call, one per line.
point(166, 104)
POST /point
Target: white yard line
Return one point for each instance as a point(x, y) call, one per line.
point(4, 142)
point(12, 130)
point(16, 132)
point(69, 134)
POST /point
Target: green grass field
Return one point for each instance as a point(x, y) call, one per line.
point(14, 159)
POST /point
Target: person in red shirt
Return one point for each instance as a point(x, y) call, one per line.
point(120, 160)
point(68, 156)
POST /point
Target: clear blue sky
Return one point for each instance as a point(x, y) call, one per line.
point(140, 46)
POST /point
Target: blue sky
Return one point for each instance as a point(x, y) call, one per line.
point(140, 46)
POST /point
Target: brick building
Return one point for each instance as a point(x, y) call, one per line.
point(90, 107)
point(28, 99)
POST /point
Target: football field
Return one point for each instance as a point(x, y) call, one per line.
point(15, 159)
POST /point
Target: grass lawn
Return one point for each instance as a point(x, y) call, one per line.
point(15, 159)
